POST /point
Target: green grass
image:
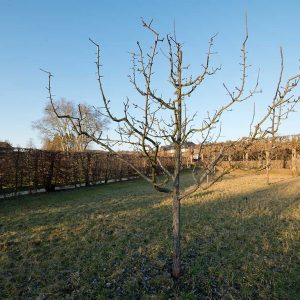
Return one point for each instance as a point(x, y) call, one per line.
point(240, 240)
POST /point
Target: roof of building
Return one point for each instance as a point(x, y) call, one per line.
point(5, 145)
point(171, 147)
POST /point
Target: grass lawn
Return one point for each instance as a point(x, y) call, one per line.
point(240, 240)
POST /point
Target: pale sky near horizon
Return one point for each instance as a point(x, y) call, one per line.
point(54, 35)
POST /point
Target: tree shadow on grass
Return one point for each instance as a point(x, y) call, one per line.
point(52, 208)
point(242, 247)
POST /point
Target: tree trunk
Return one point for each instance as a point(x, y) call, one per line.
point(176, 267)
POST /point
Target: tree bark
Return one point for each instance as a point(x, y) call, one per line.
point(176, 267)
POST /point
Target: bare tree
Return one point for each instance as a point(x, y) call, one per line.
point(60, 134)
point(160, 120)
point(30, 144)
point(283, 103)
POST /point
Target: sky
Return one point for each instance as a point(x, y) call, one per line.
point(54, 35)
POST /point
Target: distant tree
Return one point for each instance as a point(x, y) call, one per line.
point(60, 133)
point(159, 120)
point(56, 143)
point(30, 144)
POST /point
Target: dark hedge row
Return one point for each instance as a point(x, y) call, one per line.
point(31, 169)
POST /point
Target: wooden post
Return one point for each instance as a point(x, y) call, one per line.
point(284, 161)
point(247, 158)
point(17, 171)
point(260, 160)
point(268, 166)
point(192, 156)
point(229, 160)
point(214, 170)
point(294, 162)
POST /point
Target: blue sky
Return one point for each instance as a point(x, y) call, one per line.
point(54, 35)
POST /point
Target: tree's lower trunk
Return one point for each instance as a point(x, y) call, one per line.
point(176, 266)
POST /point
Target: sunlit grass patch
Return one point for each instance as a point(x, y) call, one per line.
point(240, 240)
